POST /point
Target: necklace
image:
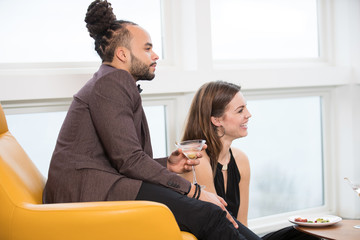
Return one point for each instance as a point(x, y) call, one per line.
point(224, 167)
point(227, 159)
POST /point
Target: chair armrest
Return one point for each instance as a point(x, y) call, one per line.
point(135, 220)
point(188, 236)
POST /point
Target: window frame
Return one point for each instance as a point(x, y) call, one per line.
point(325, 58)
point(261, 224)
point(179, 103)
point(169, 103)
point(323, 48)
point(56, 105)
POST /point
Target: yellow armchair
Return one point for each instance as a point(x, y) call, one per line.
point(24, 217)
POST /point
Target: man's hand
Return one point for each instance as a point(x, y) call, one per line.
point(179, 163)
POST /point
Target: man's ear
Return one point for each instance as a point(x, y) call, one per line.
point(215, 121)
point(123, 54)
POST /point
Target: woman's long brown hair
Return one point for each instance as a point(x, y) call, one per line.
point(210, 100)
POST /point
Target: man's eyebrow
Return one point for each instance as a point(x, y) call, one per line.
point(148, 44)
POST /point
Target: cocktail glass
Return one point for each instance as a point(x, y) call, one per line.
point(356, 188)
point(190, 148)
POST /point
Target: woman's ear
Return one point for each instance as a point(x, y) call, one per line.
point(215, 121)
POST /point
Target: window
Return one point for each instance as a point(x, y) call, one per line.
point(37, 133)
point(55, 31)
point(284, 146)
point(156, 117)
point(264, 29)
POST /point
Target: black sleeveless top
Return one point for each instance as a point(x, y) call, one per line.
point(232, 196)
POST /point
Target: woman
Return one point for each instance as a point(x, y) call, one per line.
point(219, 115)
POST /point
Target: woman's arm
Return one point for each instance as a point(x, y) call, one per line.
point(242, 162)
point(204, 177)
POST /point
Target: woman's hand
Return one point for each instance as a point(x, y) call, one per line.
point(219, 201)
point(179, 163)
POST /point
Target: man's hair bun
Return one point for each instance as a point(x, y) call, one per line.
point(99, 18)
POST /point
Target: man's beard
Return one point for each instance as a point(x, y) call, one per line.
point(139, 70)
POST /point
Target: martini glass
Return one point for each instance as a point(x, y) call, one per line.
point(356, 188)
point(190, 148)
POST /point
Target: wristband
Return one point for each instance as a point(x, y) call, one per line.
point(196, 190)
point(197, 197)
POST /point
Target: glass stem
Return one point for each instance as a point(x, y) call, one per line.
point(194, 175)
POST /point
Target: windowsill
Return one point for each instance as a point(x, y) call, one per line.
point(269, 64)
point(62, 80)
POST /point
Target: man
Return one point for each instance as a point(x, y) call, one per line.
point(103, 152)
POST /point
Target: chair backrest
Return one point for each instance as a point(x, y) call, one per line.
point(20, 180)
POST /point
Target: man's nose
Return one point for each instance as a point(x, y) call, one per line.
point(155, 56)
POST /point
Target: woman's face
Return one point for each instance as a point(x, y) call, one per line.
point(235, 118)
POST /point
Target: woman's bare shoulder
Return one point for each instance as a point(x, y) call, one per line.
point(205, 159)
point(239, 155)
point(204, 167)
point(241, 158)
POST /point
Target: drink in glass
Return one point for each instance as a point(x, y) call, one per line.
point(190, 148)
point(356, 188)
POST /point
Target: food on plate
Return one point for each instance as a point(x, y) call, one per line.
point(321, 220)
point(305, 220)
point(299, 219)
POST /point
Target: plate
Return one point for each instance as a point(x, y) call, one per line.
point(332, 220)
